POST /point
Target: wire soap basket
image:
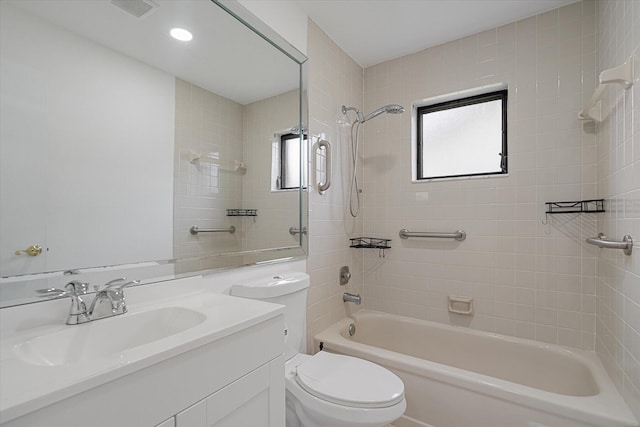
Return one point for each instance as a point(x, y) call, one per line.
point(371, 243)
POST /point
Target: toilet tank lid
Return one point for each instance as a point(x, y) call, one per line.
point(272, 287)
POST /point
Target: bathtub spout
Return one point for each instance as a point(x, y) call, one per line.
point(347, 297)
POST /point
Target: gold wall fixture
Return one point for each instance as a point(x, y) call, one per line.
point(33, 250)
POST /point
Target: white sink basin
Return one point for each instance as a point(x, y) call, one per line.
point(44, 361)
point(106, 337)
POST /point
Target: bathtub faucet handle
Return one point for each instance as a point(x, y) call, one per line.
point(345, 275)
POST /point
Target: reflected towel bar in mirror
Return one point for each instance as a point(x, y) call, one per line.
point(602, 242)
point(195, 230)
point(459, 235)
point(293, 231)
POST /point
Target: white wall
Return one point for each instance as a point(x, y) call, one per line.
point(283, 16)
point(76, 113)
point(618, 172)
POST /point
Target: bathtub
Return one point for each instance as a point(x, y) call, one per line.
point(457, 377)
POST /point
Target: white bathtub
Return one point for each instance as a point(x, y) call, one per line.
point(457, 377)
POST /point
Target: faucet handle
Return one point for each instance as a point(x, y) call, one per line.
point(51, 292)
point(76, 288)
point(117, 285)
point(113, 283)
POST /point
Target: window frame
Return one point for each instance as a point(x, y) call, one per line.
point(282, 142)
point(495, 95)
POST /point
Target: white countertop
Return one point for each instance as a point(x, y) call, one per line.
point(26, 387)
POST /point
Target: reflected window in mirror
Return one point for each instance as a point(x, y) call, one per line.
point(286, 167)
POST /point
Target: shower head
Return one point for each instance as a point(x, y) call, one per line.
point(391, 109)
point(359, 116)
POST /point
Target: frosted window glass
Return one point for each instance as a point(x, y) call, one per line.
point(462, 140)
point(291, 160)
point(291, 163)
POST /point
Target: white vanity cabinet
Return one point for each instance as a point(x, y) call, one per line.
point(245, 402)
point(236, 380)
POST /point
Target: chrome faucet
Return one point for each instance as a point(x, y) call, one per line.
point(347, 297)
point(109, 301)
point(78, 311)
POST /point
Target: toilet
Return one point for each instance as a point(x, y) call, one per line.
point(325, 389)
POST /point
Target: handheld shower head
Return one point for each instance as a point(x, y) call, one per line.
point(391, 109)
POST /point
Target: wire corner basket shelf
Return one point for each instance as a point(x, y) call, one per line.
point(242, 212)
point(371, 243)
point(581, 206)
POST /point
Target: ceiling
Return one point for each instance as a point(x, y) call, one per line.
point(222, 57)
point(374, 31)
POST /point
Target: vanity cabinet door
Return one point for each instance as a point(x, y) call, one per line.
point(256, 400)
point(194, 416)
point(171, 422)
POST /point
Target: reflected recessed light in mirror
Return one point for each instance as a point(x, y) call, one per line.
point(181, 34)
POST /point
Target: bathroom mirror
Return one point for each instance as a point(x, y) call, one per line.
point(126, 152)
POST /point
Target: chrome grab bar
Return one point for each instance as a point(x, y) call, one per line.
point(459, 235)
point(195, 230)
point(602, 242)
point(293, 231)
point(324, 186)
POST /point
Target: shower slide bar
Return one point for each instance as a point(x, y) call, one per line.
point(602, 242)
point(459, 235)
point(195, 230)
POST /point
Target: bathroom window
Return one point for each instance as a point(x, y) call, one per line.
point(288, 161)
point(463, 137)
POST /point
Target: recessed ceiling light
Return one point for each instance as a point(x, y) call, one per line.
point(181, 34)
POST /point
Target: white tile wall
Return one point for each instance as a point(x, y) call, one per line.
point(334, 79)
point(527, 279)
point(618, 180)
point(206, 123)
point(210, 124)
point(277, 211)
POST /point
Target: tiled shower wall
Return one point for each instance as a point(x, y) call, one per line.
point(207, 124)
point(618, 172)
point(527, 279)
point(277, 211)
point(334, 79)
point(228, 132)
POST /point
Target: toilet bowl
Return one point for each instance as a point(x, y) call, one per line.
point(325, 389)
point(335, 390)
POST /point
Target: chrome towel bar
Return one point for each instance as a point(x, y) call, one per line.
point(195, 230)
point(459, 235)
point(602, 242)
point(324, 186)
point(293, 231)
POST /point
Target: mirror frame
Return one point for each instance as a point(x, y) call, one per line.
point(250, 257)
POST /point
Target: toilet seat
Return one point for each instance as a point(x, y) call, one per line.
point(349, 381)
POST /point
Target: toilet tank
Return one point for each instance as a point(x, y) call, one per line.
point(290, 290)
